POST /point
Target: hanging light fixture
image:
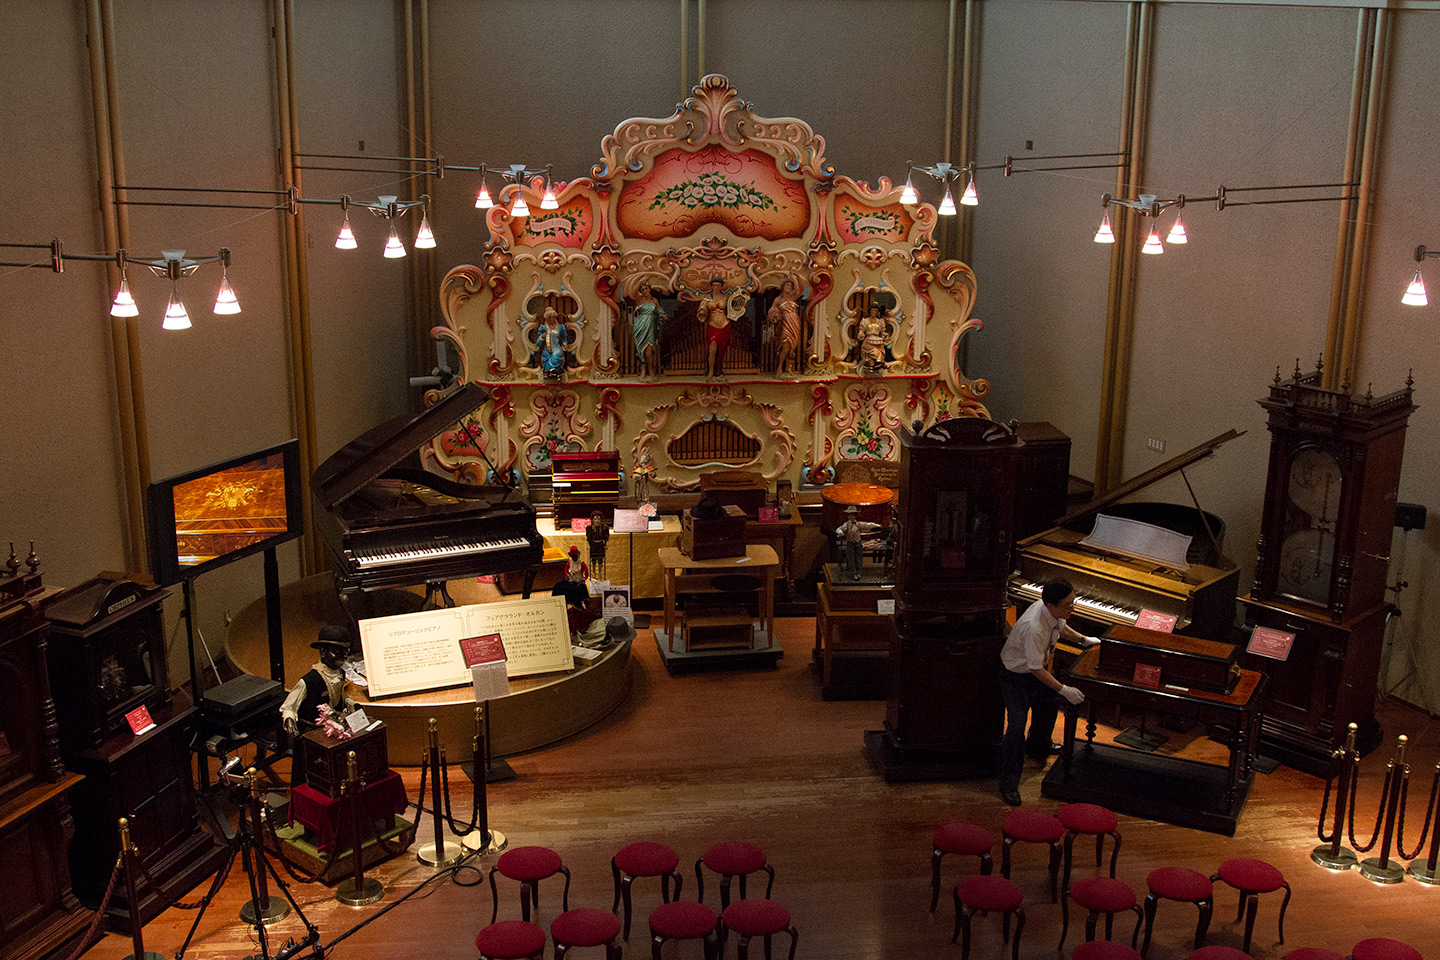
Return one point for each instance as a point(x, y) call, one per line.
point(548, 202)
point(393, 247)
point(519, 209)
point(1105, 234)
point(970, 198)
point(947, 206)
point(175, 316)
point(482, 199)
point(424, 238)
point(226, 303)
point(124, 305)
point(1177, 231)
point(1415, 295)
point(908, 196)
point(346, 238)
point(1152, 242)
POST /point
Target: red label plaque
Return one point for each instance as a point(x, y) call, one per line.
point(1154, 620)
point(1147, 675)
point(139, 720)
point(1267, 642)
point(487, 649)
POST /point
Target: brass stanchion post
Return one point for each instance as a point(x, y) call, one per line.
point(1429, 871)
point(435, 854)
point(1380, 869)
point(132, 869)
point(1334, 855)
point(359, 890)
point(483, 838)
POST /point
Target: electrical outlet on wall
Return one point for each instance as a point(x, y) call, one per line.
point(1151, 443)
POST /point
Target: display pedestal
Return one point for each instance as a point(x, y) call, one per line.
point(852, 636)
point(676, 657)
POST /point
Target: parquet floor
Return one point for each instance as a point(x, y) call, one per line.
point(693, 759)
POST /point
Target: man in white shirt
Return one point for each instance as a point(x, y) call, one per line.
point(1028, 686)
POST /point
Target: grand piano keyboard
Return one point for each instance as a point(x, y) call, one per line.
point(1105, 611)
point(448, 548)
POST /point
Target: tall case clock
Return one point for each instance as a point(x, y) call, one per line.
point(1321, 564)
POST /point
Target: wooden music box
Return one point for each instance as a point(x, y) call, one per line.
point(742, 488)
point(707, 539)
point(1183, 661)
point(325, 763)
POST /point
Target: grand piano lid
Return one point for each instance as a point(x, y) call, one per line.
point(1154, 474)
point(363, 459)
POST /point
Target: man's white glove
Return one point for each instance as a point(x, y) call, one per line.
point(1071, 694)
point(1090, 641)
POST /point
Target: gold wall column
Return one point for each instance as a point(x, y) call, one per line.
point(423, 280)
point(1345, 229)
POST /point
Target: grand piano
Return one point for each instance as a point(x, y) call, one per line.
point(388, 522)
point(1112, 587)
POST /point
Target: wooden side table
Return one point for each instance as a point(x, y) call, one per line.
point(848, 621)
point(684, 575)
point(783, 531)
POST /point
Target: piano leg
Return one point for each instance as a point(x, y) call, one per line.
point(437, 595)
point(1068, 747)
point(530, 572)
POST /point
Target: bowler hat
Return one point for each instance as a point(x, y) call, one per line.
point(332, 635)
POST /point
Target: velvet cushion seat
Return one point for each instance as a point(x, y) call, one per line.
point(1087, 818)
point(1313, 953)
point(1219, 953)
point(1104, 950)
point(510, 940)
point(1383, 948)
point(584, 927)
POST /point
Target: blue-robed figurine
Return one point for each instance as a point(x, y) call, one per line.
point(552, 339)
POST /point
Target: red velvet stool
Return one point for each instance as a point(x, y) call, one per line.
point(733, 858)
point(1383, 948)
point(529, 865)
point(1252, 878)
point(1099, 895)
point(1219, 953)
point(1186, 886)
point(1088, 818)
point(1313, 953)
point(586, 927)
point(1104, 950)
point(756, 918)
point(1029, 826)
point(644, 859)
point(988, 894)
point(963, 838)
point(681, 920)
point(511, 940)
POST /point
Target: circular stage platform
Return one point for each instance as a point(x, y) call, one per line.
point(537, 711)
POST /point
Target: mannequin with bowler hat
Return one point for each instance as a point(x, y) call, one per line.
point(323, 683)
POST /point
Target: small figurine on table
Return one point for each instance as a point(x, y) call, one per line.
point(643, 474)
point(851, 535)
point(596, 535)
point(323, 684)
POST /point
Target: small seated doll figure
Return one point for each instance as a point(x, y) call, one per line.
point(597, 534)
point(323, 684)
point(851, 535)
point(874, 344)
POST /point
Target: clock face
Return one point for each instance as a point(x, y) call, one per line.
point(1307, 548)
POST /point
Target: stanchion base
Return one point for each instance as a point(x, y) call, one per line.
point(430, 855)
point(256, 914)
point(1331, 859)
point(475, 840)
point(1423, 873)
point(369, 891)
point(1390, 872)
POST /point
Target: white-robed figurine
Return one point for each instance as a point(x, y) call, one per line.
point(323, 683)
point(851, 533)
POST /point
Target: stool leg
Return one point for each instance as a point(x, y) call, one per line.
point(1207, 907)
point(935, 877)
point(1019, 926)
point(1099, 847)
point(565, 899)
point(1151, 902)
point(725, 892)
point(1135, 932)
point(1240, 908)
point(987, 864)
point(527, 889)
point(742, 946)
point(742, 886)
point(794, 939)
point(1069, 851)
point(710, 946)
point(625, 881)
point(1064, 922)
point(1283, 904)
point(770, 882)
point(1114, 853)
point(615, 870)
point(1005, 857)
point(494, 898)
point(561, 949)
point(699, 882)
point(679, 882)
point(612, 950)
point(768, 938)
point(655, 941)
point(1054, 871)
point(1252, 903)
point(1090, 919)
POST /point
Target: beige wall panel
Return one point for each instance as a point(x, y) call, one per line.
point(61, 479)
point(1050, 73)
point(1399, 338)
point(349, 87)
point(1245, 96)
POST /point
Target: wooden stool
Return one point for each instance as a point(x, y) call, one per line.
point(734, 858)
point(529, 865)
point(680, 920)
point(1185, 885)
point(1088, 818)
point(966, 839)
point(644, 859)
point(1104, 950)
point(586, 927)
point(1383, 948)
point(511, 940)
point(1029, 826)
point(1252, 878)
point(989, 894)
point(756, 918)
point(1099, 895)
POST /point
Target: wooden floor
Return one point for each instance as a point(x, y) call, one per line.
point(694, 759)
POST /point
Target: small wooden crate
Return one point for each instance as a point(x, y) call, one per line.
point(702, 539)
point(326, 762)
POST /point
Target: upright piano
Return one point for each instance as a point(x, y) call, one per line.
point(389, 522)
point(1112, 587)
